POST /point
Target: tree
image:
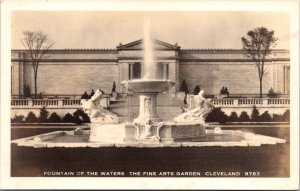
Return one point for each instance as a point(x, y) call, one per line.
point(43, 118)
point(36, 44)
point(265, 117)
point(257, 46)
point(27, 92)
point(217, 115)
point(286, 115)
point(271, 93)
point(244, 117)
point(233, 117)
point(184, 88)
point(255, 114)
point(18, 119)
point(277, 117)
point(79, 113)
point(54, 118)
point(31, 118)
point(113, 87)
point(196, 90)
point(68, 118)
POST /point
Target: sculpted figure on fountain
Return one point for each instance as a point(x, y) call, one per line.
point(148, 130)
point(96, 112)
point(197, 110)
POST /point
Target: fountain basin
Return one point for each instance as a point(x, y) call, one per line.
point(147, 86)
point(200, 138)
point(147, 90)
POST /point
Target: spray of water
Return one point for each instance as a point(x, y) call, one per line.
point(149, 61)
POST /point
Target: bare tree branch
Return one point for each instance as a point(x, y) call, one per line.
point(36, 44)
point(257, 46)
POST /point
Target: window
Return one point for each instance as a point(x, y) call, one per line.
point(134, 70)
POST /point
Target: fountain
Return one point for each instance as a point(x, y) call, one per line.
point(148, 129)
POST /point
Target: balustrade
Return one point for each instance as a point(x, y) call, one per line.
point(44, 102)
point(19, 102)
point(250, 101)
point(71, 102)
point(224, 102)
point(276, 101)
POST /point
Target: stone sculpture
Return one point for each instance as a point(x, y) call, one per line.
point(146, 131)
point(96, 112)
point(197, 110)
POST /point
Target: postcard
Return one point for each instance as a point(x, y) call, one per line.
point(149, 95)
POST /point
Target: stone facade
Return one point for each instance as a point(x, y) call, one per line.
point(71, 72)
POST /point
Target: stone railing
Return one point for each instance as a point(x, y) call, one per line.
point(224, 102)
point(52, 103)
point(45, 102)
point(246, 102)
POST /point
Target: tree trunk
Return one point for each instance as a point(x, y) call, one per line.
point(35, 85)
point(260, 87)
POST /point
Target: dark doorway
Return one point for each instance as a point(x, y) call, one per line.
point(136, 71)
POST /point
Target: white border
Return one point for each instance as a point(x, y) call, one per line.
point(7, 182)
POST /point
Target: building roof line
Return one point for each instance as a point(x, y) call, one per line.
point(112, 49)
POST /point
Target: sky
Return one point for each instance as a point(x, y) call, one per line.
point(106, 29)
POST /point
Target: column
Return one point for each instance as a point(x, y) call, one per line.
point(166, 71)
point(284, 79)
point(21, 73)
point(131, 75)
point(173, 75)
point(123, 73)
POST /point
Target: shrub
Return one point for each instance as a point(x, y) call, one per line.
point(54, 118)
point(184, 87)
point(255, 114)
point(43, 118)
point(76, 119)
point(68, 118)
point(217, 115)
point(286, 115)
point(83, 117)
point(196, 90)
point(271, 93)
point(244, 117)
point(27, 91)
point(18, 119)
point(265, 117)
point(233, 117)
point(277, 117)
point(113, 87)
point(31, 118)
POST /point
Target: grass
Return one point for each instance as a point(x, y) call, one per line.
point(269, 160)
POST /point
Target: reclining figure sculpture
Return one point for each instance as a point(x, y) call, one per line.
point(96, 112)
point(197, 110)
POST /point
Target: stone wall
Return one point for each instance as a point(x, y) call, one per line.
point(213, 69)
point(240, 78)
point(72, 78)
point(71, 72)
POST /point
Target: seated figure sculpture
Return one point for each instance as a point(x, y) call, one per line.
point(96, 112)
point(197, 110)
point(145, 131)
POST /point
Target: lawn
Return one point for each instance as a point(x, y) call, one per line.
point(267, 160)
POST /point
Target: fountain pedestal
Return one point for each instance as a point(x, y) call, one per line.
point(147, 90)
point(147, 110)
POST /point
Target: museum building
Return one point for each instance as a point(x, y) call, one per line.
point(70, 72)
